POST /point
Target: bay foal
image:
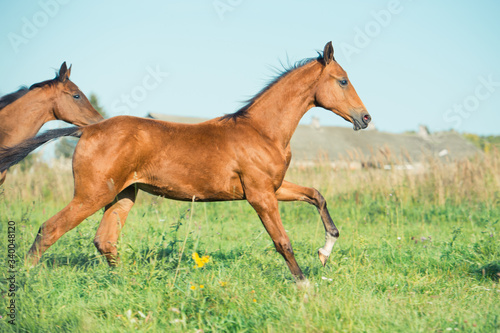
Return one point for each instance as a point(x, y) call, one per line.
point(240, 156)
point(22, 113)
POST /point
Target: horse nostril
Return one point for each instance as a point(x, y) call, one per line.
point(367, 118)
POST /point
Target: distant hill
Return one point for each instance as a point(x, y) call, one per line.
point(312, 143)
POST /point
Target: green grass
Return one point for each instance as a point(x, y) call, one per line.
point(408, 260)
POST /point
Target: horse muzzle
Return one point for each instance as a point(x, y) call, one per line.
point(361, 121)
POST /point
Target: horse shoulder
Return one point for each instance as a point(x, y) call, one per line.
point(261, 160)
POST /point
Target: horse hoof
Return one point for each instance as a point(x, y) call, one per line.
point(322, 257)
point(303, 284)
point(31, 262)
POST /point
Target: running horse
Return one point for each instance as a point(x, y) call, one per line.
point(240, 156)
point(22, 113)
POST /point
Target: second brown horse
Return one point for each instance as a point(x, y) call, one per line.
point(23, 113)
point(244, 155)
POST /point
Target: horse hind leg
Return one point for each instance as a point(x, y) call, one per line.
point(68, 218)
point(292, 192)
point(112, 222)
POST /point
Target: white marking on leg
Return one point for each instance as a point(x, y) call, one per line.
point(329, 243)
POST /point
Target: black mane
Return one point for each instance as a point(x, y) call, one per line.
point(243, 111)
point(12, 97)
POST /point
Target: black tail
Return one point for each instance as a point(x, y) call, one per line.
point(13, 155)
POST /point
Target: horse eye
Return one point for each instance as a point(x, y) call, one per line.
point(343, 83)
point(76, 96)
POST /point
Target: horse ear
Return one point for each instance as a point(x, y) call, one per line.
point(63, 72)
point(69, 71)
point(328, 53)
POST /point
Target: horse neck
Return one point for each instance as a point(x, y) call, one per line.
point(276, 114)
point(24, 117)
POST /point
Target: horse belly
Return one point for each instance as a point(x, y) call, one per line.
point(198, 185)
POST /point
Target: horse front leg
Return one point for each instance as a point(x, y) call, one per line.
point(292, 192)
point(266, 206)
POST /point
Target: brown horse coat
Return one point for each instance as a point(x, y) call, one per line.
point(23, 112)
point(244, 155)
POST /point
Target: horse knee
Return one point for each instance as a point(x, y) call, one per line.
point(284, 247)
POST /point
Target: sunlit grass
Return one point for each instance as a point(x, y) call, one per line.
point(417, 252)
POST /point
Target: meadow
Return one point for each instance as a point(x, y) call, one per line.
point(418, 251)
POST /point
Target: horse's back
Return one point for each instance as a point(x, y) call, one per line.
point(170, 159)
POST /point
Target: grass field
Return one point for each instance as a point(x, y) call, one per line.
point(417, 252)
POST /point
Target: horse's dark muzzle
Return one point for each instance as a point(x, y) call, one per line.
point(361, 121)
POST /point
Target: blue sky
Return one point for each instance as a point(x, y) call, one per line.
point(412, 62)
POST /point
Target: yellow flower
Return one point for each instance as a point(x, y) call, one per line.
point(255, 301)
point(202, 286)
point(193, 287)
point(200, 262)
point(222, 283)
